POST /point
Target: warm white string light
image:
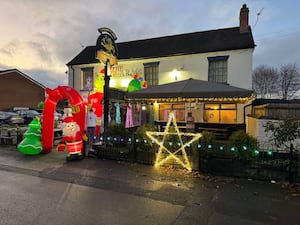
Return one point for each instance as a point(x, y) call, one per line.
point(153, 135)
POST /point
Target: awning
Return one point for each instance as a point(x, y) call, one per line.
point(191, 89)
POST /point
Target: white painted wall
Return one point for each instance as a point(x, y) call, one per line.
point(240, 68)
point(190, 66)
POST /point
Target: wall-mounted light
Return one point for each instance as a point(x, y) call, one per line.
point(175, 74)
point(125, 82)
point(112, 83)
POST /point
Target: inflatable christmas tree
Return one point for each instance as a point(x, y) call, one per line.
point(31, 144)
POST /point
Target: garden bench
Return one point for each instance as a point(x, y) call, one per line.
point(7, 140)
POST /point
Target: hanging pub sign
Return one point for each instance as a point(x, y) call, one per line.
point(106, 49)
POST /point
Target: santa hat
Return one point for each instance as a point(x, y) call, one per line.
point(68, 119)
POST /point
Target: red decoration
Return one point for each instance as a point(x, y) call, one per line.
point(145, 85)
point(95, 102)
point(61, 92)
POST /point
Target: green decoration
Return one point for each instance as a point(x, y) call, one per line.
point(31, 144)
point(99, 83)
point(41, 105)
point(134, 85)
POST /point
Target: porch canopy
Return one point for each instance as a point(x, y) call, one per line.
point(191, 90)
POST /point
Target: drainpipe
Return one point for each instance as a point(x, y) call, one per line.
point(73, 76)
point(245, 111)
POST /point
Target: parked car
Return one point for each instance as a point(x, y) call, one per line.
point(3, 116)
point(58, 116)
point(11, 118)
point(28, 115)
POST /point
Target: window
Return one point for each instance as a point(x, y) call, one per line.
point(87, 79)
point(179, 111)
point(151, 73)
point(220, 113)
point(217, 69)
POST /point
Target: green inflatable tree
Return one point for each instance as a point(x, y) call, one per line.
point(31, 144)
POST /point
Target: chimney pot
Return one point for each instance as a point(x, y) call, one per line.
point(244, 19)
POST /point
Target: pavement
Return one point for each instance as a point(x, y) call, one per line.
point(194, 198)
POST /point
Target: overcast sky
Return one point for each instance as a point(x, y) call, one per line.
point(40, 37)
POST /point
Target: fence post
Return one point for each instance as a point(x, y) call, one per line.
point(194, 157)
point(199, 155)
point(19, 137)
point(134, 149)
point(291, 175)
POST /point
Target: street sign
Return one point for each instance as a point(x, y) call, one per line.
point(106, 49)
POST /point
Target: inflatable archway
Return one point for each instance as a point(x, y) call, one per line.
point(59, 93)
point(95, 102)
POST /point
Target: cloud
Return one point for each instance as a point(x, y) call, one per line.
point(47, 77)
point(33, 54)
point(45, 36)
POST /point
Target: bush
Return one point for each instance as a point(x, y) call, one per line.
point(283, 132)
point(144, 142)
point(243, 146)
point(118, 133)
point(207, 141)
point(115, 129)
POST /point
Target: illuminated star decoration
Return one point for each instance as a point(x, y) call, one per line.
point(181, 149)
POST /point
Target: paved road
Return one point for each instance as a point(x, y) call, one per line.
point(47, 190)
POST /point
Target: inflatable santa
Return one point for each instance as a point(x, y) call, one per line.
point(72, 138)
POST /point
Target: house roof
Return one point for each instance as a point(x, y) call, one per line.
point(182, 44)
point(190, 88)
point(3, 72)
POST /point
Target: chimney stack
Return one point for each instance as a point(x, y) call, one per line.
point(244, 19)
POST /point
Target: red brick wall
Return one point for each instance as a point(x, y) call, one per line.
point(19, 91)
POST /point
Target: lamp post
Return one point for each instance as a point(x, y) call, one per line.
point(106, 52)
point(106, 101)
